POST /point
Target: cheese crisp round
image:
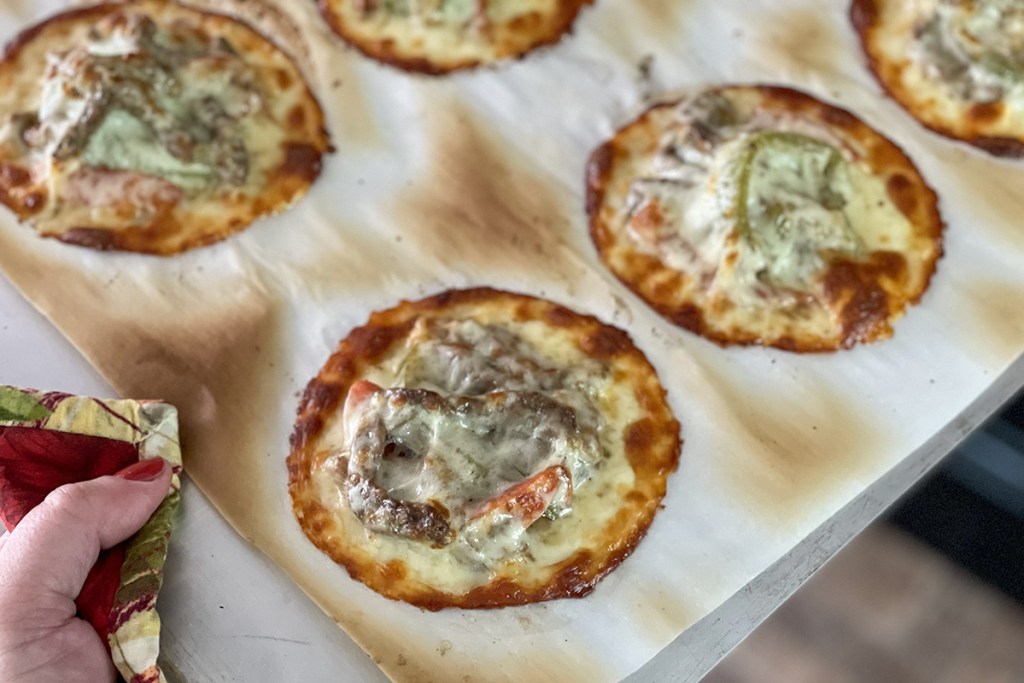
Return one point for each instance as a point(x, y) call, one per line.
point(439, 36)
point(957, 66)
point(761, 215)
point(481, 449)
point(152, 127)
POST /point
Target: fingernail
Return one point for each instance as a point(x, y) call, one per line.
point(144, 470)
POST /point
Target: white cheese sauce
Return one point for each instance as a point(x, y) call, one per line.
point(752, 203)
point(476, 421)
point(135, 96)
point(976, 48)
point(491, 453)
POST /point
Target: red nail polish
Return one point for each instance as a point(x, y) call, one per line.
point(144, 470)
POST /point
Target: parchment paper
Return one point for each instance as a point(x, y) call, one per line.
point(476, 179)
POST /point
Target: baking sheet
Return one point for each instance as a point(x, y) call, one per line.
point(477, 179)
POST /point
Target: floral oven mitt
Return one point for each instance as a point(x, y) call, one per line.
point(51, 439)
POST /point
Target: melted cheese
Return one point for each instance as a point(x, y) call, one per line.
point(477, 356)
point(793, 190)
point(133, 98)
point(458, 460)
point(124, 142)
point(458, 12)
point(478, 413)
point(470, 15)
point(755, 204)
point(976, 48)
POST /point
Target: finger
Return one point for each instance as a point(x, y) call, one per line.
point(53, 548)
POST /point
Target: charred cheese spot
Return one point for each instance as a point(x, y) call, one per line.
point(18, 192)
point(297, 116)
point(727, 211)
point(33, 202)
point(986, 112)
point(439, 36)
point(164, 126)
point(485, 444)
point(606, 342)
point(12, 176)
point(394, 571)
point(902, 192)
point(556, 315)
point(999, 146)
point(688, 316)
point(639, 437)
point(101, 240)
point(839, 118)
point(859, 292)
point(301, 160)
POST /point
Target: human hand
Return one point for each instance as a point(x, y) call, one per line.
point(44, 563)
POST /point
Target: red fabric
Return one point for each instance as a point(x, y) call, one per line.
point(34, 462)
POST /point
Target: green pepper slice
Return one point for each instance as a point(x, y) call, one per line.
point(789, 204)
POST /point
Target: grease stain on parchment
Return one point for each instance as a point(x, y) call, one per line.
point(794, 454)
point(563, 665)
point(629, 31)
point(804, 41)
point(346, 261)
point(991, 189)
point(483, 206)
point(990, 319)
point(662, 617)
point(657, 20)
point(346, 103)
point(221, 363)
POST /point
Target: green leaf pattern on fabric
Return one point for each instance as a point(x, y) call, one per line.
point(20, 406)
point(142, 571)
point(134, 638)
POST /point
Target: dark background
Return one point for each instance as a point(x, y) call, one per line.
point(972, 508)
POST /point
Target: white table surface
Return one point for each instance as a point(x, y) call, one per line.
point(251, 623)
